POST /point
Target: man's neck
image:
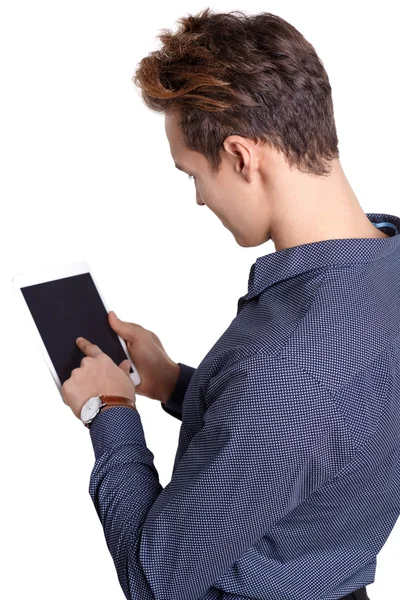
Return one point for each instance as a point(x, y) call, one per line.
point(309, 209)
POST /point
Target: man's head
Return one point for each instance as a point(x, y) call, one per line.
point(234, 192)
point(247, 106)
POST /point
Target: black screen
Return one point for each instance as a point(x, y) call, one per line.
point(65, 309)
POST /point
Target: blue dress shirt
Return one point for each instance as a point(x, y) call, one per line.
point(286, 480)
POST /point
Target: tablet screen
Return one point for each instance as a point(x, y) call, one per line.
point(65, 309)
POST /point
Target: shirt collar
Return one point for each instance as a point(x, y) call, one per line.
point(288, 262)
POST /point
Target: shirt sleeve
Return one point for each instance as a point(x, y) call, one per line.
point(270, 437)
point(174, 404)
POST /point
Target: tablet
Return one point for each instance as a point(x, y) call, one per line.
point(62, 304)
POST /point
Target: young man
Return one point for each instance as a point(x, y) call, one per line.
point(286, 481)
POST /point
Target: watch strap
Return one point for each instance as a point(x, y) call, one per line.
point(117, 401)
point(108, 400)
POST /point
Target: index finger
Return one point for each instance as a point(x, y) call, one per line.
point(88, 348)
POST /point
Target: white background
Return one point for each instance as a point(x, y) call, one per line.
point(86, 174)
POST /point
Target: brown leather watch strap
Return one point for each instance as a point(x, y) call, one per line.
point(113, 401)
point(117, 401)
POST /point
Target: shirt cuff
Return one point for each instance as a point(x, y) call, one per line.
point(174, 404)
point(116, 425)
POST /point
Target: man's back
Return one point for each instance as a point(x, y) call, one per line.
point(312, 360)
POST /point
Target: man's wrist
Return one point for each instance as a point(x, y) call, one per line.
point(169, 386)
point(110, 403)
point(88, 425)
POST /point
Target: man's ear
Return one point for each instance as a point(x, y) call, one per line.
point(240, 151)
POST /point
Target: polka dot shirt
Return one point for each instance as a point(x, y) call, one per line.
point(286, 479)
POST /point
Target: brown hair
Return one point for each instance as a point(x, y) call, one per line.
point(250, 75)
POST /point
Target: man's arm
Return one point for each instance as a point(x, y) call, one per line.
point(269, 439)
point(174, 404)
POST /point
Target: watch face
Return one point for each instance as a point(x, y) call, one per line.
point(90, 408)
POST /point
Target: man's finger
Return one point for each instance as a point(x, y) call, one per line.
point(122, 328)
point(125, 366)
point(88, 348)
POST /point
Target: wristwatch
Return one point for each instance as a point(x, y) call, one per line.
point(95, 404)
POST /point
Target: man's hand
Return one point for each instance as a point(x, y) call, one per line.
point(98, 374)
point(158, 372)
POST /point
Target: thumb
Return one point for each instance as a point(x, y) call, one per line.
point(123, 328)
point(125, 366)
point(116, 323)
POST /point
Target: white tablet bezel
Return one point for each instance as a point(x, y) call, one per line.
point(50, 274)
